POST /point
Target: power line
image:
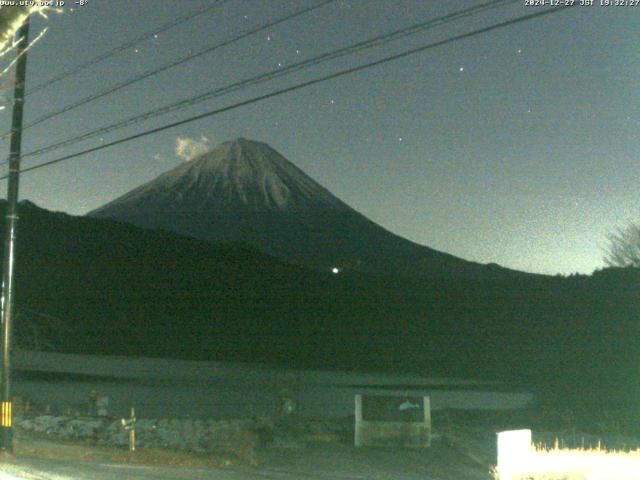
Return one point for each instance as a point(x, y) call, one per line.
point(171, 65)
point(366, 44)
point(299, 86)
point(125, 46)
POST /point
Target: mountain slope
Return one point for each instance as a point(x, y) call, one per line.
point(245, 191)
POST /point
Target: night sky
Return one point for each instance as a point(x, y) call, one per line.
point(519, 146)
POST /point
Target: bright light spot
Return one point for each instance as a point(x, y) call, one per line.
point(268, 38)
point(12, 20)
point(14, 46)
point(462, 69)
point(514, 451)
point(517, 459)
point(335, 270)
point(400, 139)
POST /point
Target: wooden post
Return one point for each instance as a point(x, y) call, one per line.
point(132, 431)
point(130, 426)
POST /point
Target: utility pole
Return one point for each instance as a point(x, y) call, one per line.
point(6, 302)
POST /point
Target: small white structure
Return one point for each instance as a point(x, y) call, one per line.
point(392, 420)
point(514, 452)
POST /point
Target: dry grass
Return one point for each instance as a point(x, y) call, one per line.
point(573, 464)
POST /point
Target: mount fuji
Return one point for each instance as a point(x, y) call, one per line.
point(244, 191)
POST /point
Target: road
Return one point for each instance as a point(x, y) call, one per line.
point(59, 470)
point(77, 470)
point(323, 462)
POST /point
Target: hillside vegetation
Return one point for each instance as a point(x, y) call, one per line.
point(123, 290)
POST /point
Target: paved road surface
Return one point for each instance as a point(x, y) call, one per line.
point(325, 462)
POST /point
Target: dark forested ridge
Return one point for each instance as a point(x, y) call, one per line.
point(119, 289)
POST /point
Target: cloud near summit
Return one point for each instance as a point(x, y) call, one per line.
point(190, 148)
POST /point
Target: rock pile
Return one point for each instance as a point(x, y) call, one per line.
point(196, 435)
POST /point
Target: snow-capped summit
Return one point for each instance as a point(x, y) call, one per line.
point(240, 174)
point(245, 191)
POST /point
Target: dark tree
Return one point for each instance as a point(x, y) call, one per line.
point(624, 247)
